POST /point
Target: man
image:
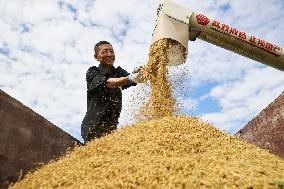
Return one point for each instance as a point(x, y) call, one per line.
point(104, 97)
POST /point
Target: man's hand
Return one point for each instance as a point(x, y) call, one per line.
point(117, 82)
point(137, 77)
point(137, 69)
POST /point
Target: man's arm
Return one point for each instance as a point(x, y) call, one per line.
point(123, 73)
point(95, 80)
point(117, 82)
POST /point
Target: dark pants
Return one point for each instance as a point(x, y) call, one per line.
point(107, 124)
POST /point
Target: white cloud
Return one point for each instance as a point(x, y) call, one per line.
point(244, 98)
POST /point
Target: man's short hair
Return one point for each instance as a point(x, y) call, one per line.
point(99, 44)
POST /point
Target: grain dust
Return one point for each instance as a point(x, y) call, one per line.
point(161, 101)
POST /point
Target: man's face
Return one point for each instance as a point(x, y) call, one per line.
point(105, 54)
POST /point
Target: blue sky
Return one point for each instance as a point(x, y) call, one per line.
point(46, 47)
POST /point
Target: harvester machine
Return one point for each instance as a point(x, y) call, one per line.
point(182, 24)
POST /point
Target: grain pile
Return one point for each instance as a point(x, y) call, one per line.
point(171, 152)
point(166, 151)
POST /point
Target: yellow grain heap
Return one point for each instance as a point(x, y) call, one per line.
point(171, 152)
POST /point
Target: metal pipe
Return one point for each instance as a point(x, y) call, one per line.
point(237, 41)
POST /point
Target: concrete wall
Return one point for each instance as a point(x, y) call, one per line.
point(27, 140)
point(266, 130)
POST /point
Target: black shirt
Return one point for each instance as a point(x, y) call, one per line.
point(103, 104)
